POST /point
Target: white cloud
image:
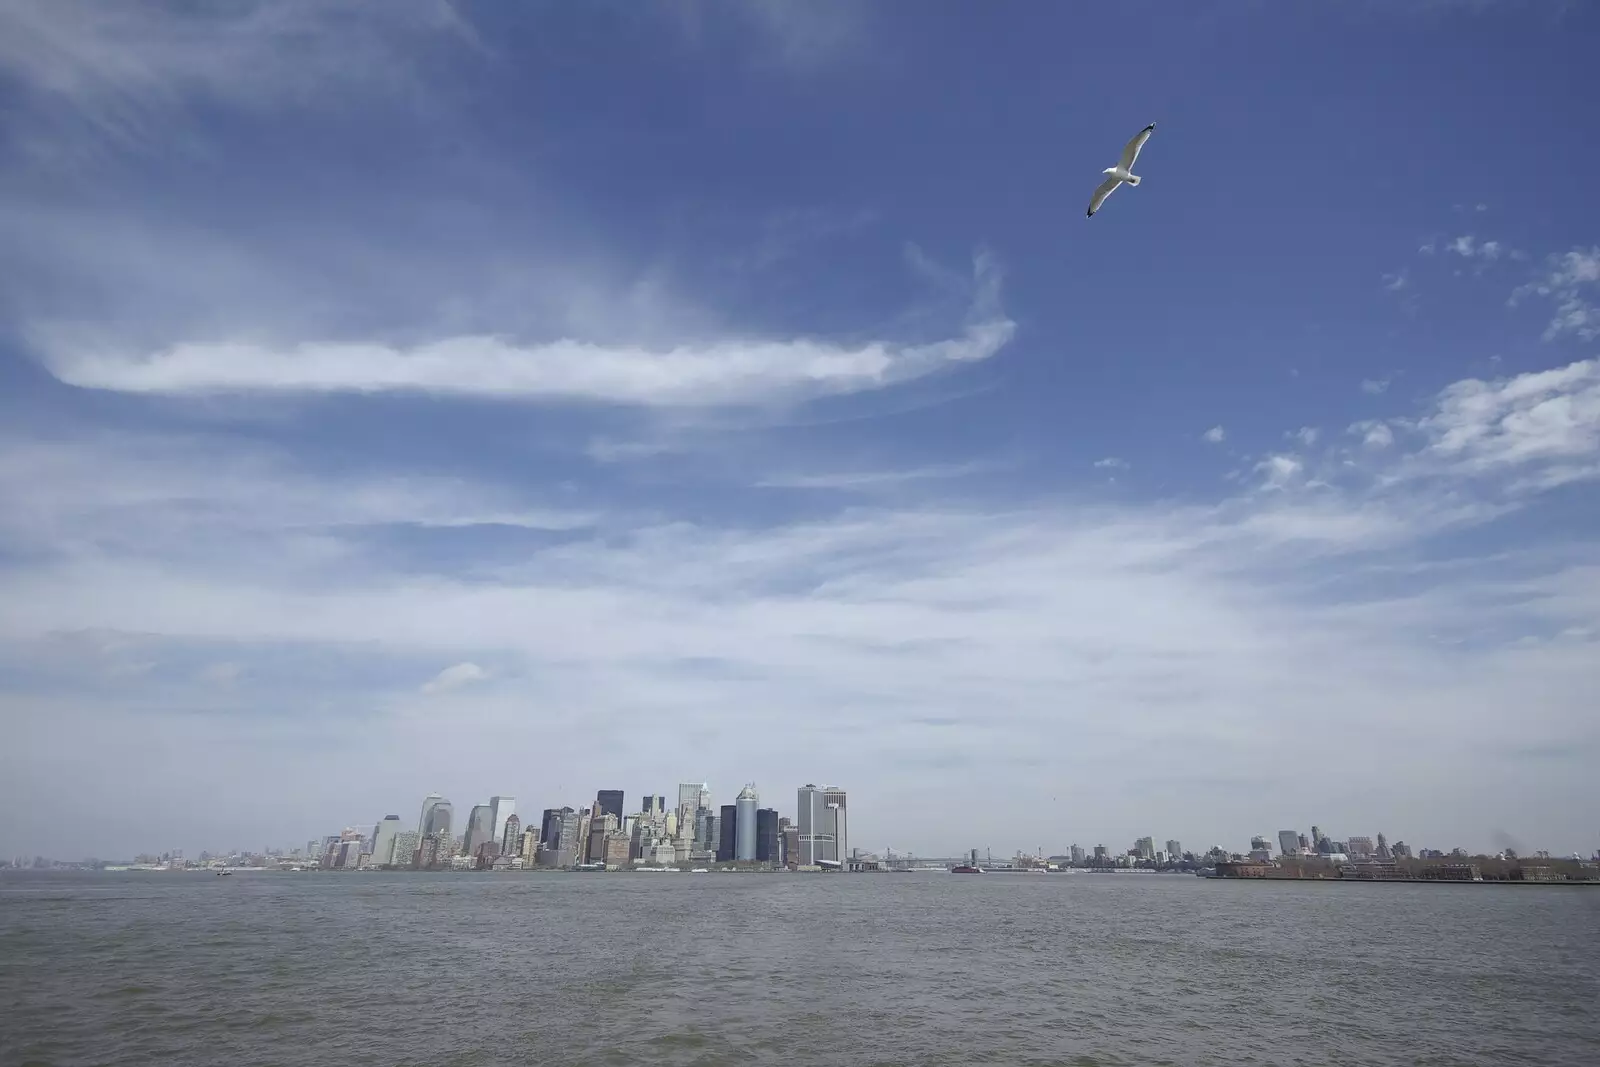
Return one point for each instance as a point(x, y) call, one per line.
point(1469, 247)
point(1306, 435)
point(1111, 463)
point(1209, 628)
point(1375, 386)
point(870, 479)
point(120, 491)
point(1572, 281)
point(735, 370)
point(1280, 471)
point(1547, 421)
point(1397, 281)
point(462, 674)
point(1216, 435)
point(1374, 434)
point(126, 68)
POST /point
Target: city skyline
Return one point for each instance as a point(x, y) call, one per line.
point(524, 399)
point(436, 808)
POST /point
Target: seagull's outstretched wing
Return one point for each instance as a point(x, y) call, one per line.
point(1130, 151)
point(1105, 189)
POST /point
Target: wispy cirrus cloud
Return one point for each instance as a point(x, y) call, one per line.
point(122, 72)
point(455, 677)
point(1572, 281)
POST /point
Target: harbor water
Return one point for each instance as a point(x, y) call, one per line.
point(705, 969)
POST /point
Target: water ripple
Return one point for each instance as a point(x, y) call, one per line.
point(612, 971)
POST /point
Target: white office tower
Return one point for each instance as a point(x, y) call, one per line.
point(502, 809)
point(480, 825)
point(744, 832)
point(383, 836)
point(689, 802)
point(820, 815)
point(437, 815)
point(428, 804)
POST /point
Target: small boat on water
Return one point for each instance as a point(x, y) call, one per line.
point(966, 868)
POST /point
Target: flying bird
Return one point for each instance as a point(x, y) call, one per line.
point(1122, 172)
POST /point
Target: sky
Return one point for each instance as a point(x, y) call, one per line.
point(532, 399)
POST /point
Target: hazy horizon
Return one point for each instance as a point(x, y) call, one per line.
point(539, 398)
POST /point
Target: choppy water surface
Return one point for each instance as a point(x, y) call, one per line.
point(386, 969)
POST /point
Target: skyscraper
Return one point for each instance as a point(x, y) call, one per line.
point(1174, 848)
point(689, 802)
point(728, 833)
point(480, 829)
point(769, 839)
point(744, 841)
point(437, 815)
point(502, 809)
point(1146, 847)
point(404, 851)
point(820, 815)
point(568, 838)
point(1289, 842)
point(550, 826)
point(511, 840)
point(602, 824)
point(383, 836)
point(609, 801)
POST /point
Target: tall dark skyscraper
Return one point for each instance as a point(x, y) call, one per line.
point(768, 850)
point(609, 801)
point(728, 835)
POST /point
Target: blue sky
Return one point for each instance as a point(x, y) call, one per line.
point(537, 398)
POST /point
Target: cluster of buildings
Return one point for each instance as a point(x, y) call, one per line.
point(694, 832)
point(605, 834)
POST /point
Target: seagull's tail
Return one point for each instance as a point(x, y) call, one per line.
point(1133, 179)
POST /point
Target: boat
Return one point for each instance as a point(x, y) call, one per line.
point(966, 868)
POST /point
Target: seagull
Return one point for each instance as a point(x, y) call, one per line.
point(1122, 172)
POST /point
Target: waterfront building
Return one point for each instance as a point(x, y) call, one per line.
point(480, 829)
point(791, 845)
point(691, 798)
point(501, 808)
point(769, 837)
point(403, 853)
point(1174, 849)
point(565, 852)
point(1289, 842)
point(727, 831)
point(820, 813)
point(614, 850)
point(383, 836)
point(511, 837)
point(601, 825)
point(610, 802)
point(744, 837)
point(437, 816)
